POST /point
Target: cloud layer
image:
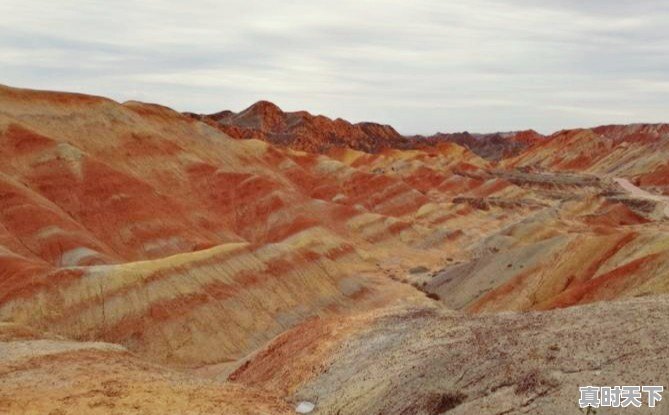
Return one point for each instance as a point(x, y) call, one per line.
point(422, 66)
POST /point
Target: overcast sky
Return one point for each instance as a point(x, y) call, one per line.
point(421, 65)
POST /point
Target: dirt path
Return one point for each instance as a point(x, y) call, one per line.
point(642, 194)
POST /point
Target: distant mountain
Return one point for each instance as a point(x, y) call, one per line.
point(494, 147)
point(318, 134)
point(301, 130)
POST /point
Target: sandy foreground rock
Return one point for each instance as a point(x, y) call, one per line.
point(417, 360)
point(57, 377)
point(433, 361)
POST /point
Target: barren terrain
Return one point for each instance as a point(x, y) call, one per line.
point(159, 262)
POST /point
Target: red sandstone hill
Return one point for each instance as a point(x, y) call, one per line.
point(301, 130)
point(494, 146)
point(636, 151)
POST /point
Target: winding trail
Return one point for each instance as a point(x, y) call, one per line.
point(642, 194)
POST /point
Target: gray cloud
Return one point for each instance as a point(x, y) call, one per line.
point(422, 66)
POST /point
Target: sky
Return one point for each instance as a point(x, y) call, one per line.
point(422, 65)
